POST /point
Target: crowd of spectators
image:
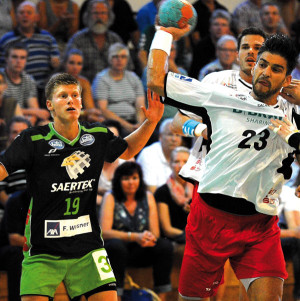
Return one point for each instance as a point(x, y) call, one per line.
point(105, 45)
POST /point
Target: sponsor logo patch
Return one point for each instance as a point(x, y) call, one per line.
point(183, 77)
point(67, 228)
point(57, 144)
point(87, 139)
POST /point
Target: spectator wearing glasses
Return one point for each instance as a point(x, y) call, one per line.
point(118, 92)
point(226, 57)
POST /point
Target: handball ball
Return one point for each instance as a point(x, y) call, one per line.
point(177, 13)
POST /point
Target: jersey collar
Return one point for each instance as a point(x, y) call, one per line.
point(62, 137)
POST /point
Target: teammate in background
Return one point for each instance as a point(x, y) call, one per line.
point(234, 210)
point(63, 162)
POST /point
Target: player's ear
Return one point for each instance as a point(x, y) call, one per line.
point(49, 105)
point(287, 81)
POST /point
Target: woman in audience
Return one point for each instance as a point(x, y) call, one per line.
point(173, 198)
point(118, 92)
point(73, 63)
point(130, 228)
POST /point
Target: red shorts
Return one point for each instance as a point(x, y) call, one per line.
point(252, 243)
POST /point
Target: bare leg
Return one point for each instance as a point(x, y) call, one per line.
point(34, 298)
point(266, 289)
point(104, 296)
point(242, 293)
point(182, 299)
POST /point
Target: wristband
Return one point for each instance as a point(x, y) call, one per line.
point(293, 139)
point(162, 40)
point(192, 128)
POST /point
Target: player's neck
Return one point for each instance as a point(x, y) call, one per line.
point(246, 77)
point(68, 131)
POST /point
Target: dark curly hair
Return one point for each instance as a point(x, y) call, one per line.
point(127, 169)
point(282, 45)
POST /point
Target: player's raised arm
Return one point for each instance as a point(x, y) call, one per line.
point(158, 57)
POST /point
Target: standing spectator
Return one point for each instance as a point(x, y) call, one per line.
point(205, 51)
point(7, 17)
point(130, 228)
point(118, 92)
point(95, 39)
point(204, 9)
point(43, 54)
point(9, 108)
point(155, 158)
point(73, 63)
point(226, 57)
point(270, 19)
point(21, 85)
point(60, 18)
point(296, 71)
point(247, 14)
point(174, 197)
point(12, 240)
point(146, 14)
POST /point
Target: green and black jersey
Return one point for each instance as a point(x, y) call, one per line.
point(62, 179)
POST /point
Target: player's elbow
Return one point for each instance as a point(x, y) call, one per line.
point(156, 86)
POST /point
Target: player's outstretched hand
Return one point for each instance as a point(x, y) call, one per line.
point(155, 107)
point(177, 33)
point(283, 128)
point(292, 92)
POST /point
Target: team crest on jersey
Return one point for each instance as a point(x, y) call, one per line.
point(87, 139)
point(52, 229)
point(57, 144)
point(76, 164)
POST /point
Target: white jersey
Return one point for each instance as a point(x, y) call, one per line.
point(246, 159)
point(229, 78)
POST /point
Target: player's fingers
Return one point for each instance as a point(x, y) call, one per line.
point(149, 96)
point(287, 121)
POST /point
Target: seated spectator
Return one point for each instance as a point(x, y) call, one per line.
point(130, 228)
point(296, 71)
point(173, 199)
point(95, 39)
point(7, 17)
point(9, 108)
point(155, 158)
point(205, 50)
point(12, 240)
point(118, 92)
point(20, 85)
point(270, 19)
point(226, 57)
point(39, 63)
point(60, 18)
point(247, 14)
point(72, 64)
point(17, 180)
point(204, 9)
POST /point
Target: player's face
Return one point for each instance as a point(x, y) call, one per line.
point(269, 75)
point(130, 184)
point(179, 159)
point(74, 64)
point(168, 139)
point(16, 60)
point(66, 103)
point(250, 45)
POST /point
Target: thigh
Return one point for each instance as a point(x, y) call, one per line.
point(46, 270)
point(89, 273)
point(104, 296)
point(266, 289)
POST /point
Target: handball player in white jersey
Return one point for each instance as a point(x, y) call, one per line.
point(234, 212)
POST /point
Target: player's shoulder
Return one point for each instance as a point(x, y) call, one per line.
point(220, 76)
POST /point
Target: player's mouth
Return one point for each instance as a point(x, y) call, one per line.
point(71, 109)
point(250, 59)
point(264, 82)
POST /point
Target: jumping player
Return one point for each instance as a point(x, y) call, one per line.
point(63, 162)
point(233, 212)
